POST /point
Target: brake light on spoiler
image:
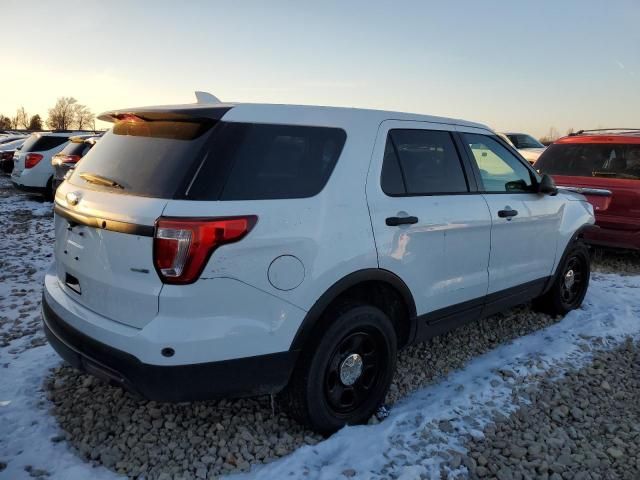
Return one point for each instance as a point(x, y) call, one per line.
point(182, 246)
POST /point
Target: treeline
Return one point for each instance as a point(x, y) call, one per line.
point(66, 114)
point(553, 135)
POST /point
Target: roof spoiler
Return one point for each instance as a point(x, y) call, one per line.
point(171, 112)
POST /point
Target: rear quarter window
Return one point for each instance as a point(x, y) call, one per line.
point(42, 144)
point(249, 161)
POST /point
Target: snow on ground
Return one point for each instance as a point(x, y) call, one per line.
point(435, 419)
point(422, 430)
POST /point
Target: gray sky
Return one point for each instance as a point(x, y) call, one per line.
point(514, 65)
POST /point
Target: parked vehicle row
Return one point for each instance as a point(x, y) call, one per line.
point(33, 170)
point(215, 250)
point(67, 159)
point(7, 152)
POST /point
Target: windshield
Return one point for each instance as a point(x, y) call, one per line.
point(591, 160)
point(520, 140)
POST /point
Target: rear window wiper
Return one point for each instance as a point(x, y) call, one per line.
point(100, 180)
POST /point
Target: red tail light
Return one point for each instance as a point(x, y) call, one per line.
point(32, 159)
point(68, 159)
point(182, 246)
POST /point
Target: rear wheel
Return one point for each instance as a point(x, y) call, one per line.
point(570, 285)
point(344, 377)
point(49, 192)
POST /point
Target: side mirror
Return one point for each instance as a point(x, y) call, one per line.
point(547, 186)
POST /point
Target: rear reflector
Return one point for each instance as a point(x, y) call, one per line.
point(32, 159)
point(182, 246)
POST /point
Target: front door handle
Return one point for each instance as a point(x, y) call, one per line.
point(507, 213)
point(395, 221)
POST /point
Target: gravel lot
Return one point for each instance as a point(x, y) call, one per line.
point(143, 439)
point(584, 426)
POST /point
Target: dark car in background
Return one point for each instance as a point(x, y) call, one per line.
point(70, 155)
point(7, 151)
point(604, 166)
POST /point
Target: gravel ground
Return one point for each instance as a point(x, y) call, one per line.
point(138, 438)
point(584, 426)
point(616, 261)
point(27, 229)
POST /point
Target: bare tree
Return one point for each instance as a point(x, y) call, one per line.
point(62, 115)
point(22, 118)
point(84, 117)
point(570, 131)
point(550, 137)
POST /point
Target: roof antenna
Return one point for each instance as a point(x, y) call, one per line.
point(206, 97)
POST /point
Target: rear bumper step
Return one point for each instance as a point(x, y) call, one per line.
point(229, 378)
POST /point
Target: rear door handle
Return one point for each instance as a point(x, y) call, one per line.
point(507, 213)
point(395, 221)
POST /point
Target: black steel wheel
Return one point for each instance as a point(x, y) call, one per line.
point(344, 376)
point(570, 284)
point(354, 369)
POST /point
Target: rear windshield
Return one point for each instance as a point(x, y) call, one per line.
point(76, 148)
point(212, 161)
point(521, 140)
point(150, 159)
point(36, 143)
point(591, 160)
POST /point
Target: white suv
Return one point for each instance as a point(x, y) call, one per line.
point(225, 250)
point(32, 169)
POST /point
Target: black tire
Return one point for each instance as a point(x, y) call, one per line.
point(570, 285)
point(49, 193)
point(320, 394)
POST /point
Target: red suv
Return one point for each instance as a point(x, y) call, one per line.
point(603, 165)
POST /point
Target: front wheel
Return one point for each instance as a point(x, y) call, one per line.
point(570, 285)
point(344, 376)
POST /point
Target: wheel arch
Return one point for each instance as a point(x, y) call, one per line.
point(577, 236)
point(360, 284)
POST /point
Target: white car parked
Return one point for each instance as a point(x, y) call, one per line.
point(527, 146)
point(237, 249)
point(32, 169)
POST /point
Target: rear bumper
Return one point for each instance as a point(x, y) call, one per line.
point(607, 237)
point(29, 189)
point(229, 378)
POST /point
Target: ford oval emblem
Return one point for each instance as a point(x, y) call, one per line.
point(73, 198)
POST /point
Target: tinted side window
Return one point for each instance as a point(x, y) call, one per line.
point(421, 162)
point(500, 170)
point(261, 162)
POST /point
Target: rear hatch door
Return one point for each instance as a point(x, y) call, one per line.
point(106, 212)
point(103, 251)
